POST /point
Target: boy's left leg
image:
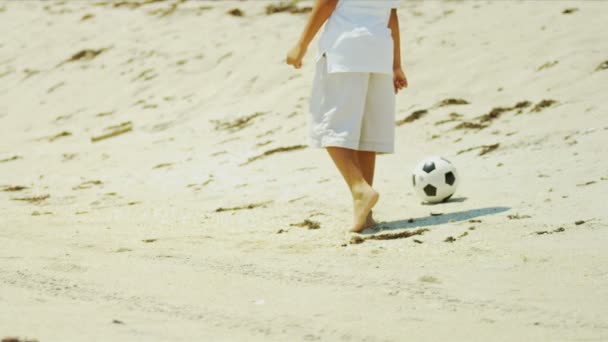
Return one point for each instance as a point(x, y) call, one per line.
point(367, 164)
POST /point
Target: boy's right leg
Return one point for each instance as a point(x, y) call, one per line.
point(364, 196)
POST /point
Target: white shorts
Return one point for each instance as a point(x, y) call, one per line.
point(354, 110)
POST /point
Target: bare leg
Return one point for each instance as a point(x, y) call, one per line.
point(367, 164)
point(364, 196)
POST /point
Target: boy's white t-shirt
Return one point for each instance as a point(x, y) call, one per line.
point(357, 38)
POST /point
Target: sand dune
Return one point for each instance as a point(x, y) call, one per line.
point(156, 185)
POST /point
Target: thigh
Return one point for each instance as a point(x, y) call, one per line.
point(337, 111)
point(345, 98)
point(379, 116)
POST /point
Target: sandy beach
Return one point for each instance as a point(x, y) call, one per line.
point(156, 185)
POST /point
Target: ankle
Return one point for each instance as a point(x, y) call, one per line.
point(360, 189)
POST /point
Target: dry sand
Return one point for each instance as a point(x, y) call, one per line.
point(155, 181)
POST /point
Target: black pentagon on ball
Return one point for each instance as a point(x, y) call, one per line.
point(428, 167)
point(430, 190)
point(450, 178)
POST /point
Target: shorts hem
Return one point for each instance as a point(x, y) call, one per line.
point(376, 146)
point(372, 146)
point(333, 142)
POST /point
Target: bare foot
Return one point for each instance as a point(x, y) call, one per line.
point(369, 222)
point(364, 199)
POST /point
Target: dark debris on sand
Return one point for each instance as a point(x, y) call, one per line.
point(518, 217)
point(84, 55)
point(34, 199)
point(10, 159)
point(114, 131)
point(162, 12)
point(542, 105)
point(167, 12)
point(87, 184)
point(236, 12)
point(485, 149)
point(452, 102)
point(558, 230)
point(273, 151)
point(244, 207)
point(602, 66)
point(488, 148)
point(470, 125)
point(237, 124)
point(586, 183)
point(40, 213)
point(308, 224)
point(412, 117)
point(485, 120)
point(290, 7)
point(162, 165)
point(570, 10)
point(131, 4)
point(547, 65)
point(453, 117)
point(357, 239)
point(16, 339)
point(496, 112)
point(12, 188)
point(422, 112)
point(449, 239)
point(60, 135)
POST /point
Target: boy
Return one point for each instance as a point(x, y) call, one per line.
point(358, 73)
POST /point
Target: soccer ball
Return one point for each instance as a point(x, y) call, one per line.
point(435, 179)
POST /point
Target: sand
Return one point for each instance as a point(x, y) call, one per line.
point(155, 183)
